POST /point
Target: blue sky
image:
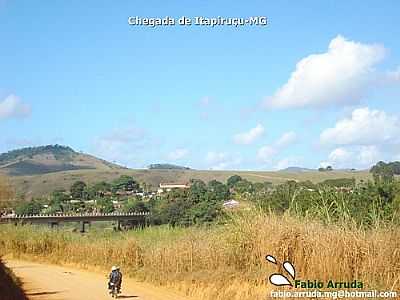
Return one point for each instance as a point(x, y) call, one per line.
point(320, 84)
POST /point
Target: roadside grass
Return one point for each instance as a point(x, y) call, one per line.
point(223, 261)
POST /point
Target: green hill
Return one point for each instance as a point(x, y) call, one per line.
point(49, 159)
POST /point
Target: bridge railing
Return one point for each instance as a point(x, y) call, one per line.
point(71, 215)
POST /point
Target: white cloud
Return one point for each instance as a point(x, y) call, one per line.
point(340, 75)
point(286, 139)
point(267, 153)
point(340, 158)
point(126, 146)
point(222, 160)
point(250, 136)
point(353, 157)
point(13, 107)
point(213, 157)
point(340, 155)
point(365, 137)
point(178, 154)
point(364, 127)
point(368, 155)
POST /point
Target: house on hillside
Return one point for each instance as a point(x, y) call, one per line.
point(125, 193)
point(166, 187)
point(344, 189)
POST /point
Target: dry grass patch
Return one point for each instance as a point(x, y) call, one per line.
point(227, 261)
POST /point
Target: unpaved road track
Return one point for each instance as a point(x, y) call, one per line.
point(49, 282)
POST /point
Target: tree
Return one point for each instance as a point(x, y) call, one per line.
point(233, 180)
point(58, 199)
point(135, 205)
point(29, 208)
point(281, 197)
point(243, 186)
point(382, 167)
point(204, 212)
point(197, 191)
point(124, 183)
point(77, 189)
point(105, 205)
point(383, 172)
point(262, 186)
point(213, 184)
point(99, 189)
point(59, 195)
point(198, 204)
point(219, 190)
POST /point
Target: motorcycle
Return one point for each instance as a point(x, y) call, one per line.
point(114, 290)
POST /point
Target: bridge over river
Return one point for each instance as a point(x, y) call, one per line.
point(131, 219)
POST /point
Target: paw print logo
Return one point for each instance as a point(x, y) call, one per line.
point(279, 279)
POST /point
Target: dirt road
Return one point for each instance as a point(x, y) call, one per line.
point(49, 282)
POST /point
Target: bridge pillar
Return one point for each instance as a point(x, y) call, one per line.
point(82, 226)
point(53, 224)
point(119, 225)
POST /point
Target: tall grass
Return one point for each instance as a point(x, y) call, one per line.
point(227, 261)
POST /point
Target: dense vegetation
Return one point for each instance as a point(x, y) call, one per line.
point(342, 200)
point(59, 152)
point(386, 169)
point(198, 204)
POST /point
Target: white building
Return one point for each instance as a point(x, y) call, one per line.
point(166, 187)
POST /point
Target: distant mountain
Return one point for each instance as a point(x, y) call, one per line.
point(166, 167)
point(297, 169)
point(48, 159)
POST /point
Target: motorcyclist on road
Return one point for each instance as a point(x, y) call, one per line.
point(115, 278)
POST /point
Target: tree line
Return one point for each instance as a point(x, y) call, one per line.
point(363, 203)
